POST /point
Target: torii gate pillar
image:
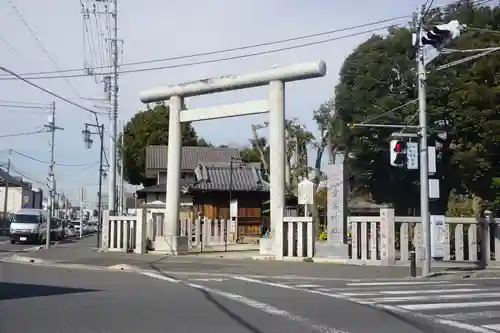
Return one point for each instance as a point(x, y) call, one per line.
point(275, 105)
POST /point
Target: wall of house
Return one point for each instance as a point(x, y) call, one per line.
point(216, 204)
point(151, 197)
point(15, 198)
point(162, 177)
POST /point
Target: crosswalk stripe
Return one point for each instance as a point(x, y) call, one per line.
point(470, 315)
point(413, 292)
point(394, 283)
point(437, 306)
point(495, 327)
point(433, 297)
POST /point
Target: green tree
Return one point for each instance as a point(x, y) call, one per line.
point(462, 100)
point(149, 127)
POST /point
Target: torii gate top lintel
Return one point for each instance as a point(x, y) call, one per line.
point(301, 71)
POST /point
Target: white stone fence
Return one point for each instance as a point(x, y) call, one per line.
point(131, 233)
point(298, 237)
point(124, 233)
point(388, 239)
point(204, 232)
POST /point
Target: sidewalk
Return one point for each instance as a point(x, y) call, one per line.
point(83, 252)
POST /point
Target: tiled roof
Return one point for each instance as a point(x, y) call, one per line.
point(218, 177)
point(157, 156)
point(163, 187)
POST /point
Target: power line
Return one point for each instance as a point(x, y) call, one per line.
point(202, 62)
point(233, 49)
point(9, 45)
point(23, 106)
point(22, 134)
point(71, 174)
point(57, 164)
point(22, 102)
point(25, 175)
point(49, 92)
point(40, 43)
point(496, 32)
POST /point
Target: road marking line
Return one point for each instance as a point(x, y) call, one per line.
point(471, 315)
point(308, 285)
point(436, 306)
point(264, 307)
point(4, 242)
point(433, 297)
point(208, 280)
point(395, 283)
point(159, 277)
point(412, 292)
point(450, 323)
point(495, 327)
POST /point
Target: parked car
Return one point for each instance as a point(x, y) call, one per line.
point(28, 225)
point(56, 230)
point(76, 226)
point(93, 226)
point(86, 229)
point(70, 231)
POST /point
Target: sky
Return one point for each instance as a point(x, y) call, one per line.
point(39, 36)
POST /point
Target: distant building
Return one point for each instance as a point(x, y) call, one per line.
point(20, 194)
point(208, 181)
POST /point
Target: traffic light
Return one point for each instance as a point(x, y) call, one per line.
point(440, 35)
point(398, 153)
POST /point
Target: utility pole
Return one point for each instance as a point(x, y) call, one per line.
point(6, 185)
point(424, 158)
point(51, 178)
point(122, 180)
point(110, 81)
point(114, 110)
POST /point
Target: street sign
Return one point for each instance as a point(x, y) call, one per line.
point(412, 155)
point(26, 201)
point(438, 235)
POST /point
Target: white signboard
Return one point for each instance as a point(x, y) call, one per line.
point(438, 234)
point(412, 155)
point(306, 191)
point(431, 151)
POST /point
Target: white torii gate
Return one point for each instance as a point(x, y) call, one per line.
point(275, 105)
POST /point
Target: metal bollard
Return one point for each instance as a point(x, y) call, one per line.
point(413, 264)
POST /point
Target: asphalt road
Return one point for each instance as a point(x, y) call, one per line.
point(47, 299)
point(469, 305)
point(6, 247)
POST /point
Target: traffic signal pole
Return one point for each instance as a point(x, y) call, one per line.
point(424, 158)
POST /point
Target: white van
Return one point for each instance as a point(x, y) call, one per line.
point(28, 225)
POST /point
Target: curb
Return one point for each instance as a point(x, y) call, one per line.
point(16, 259)
point(28, 260)
point(125, 268)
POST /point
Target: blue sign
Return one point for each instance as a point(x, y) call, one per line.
point(25, 205)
